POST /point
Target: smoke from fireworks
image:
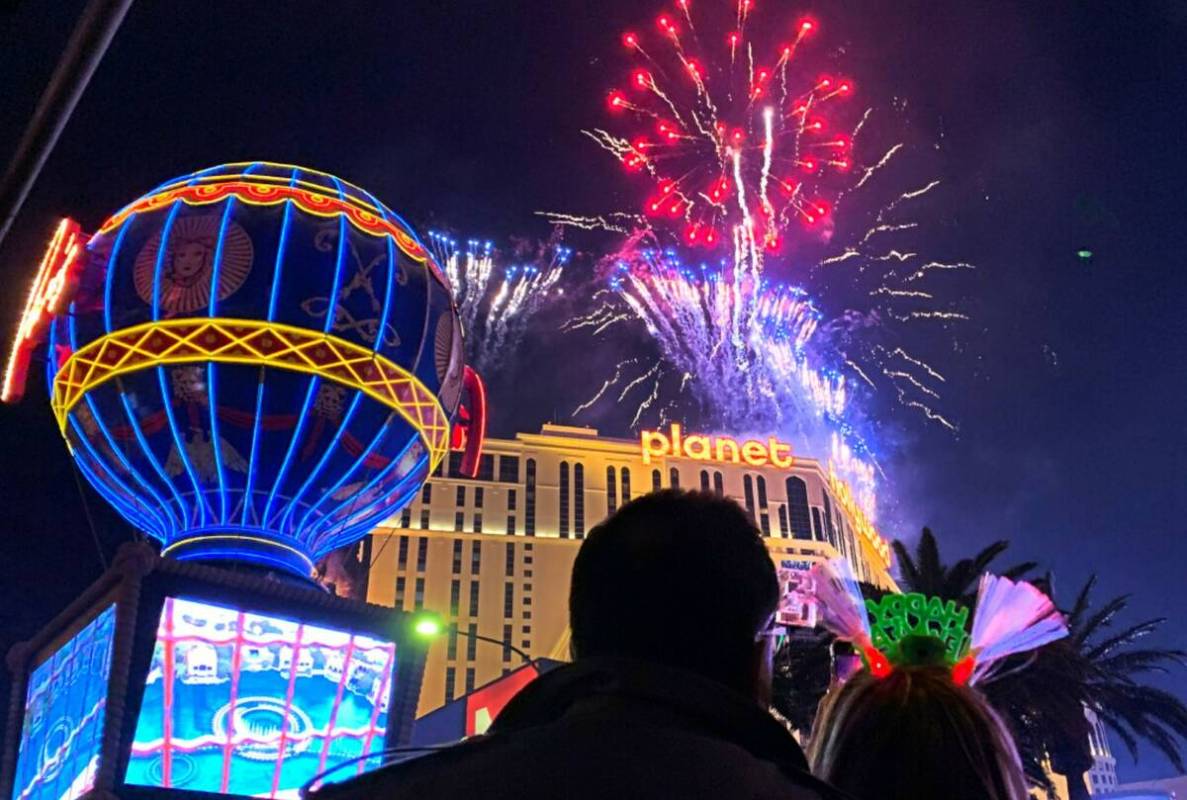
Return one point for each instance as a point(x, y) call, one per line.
point(497, 299)
point(746, 165)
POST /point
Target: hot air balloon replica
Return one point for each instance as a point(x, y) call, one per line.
point(254, 364)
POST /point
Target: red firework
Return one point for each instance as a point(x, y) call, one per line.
point(731, 128)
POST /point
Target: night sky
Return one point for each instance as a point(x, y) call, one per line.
point(1061, 127)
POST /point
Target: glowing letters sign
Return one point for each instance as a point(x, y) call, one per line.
point(50, 294)
point(725, 449)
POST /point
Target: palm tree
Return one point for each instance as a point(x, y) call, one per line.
point(1097, 669)
point(925, 573)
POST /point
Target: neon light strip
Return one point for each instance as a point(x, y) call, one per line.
point(211, 383)
point(371, 204)
point(377, 704)
point(235, 537)
point(288, 708)
point(325, 747)
point(170, 670)
point(236, 666)
point(258, 193)
point(255, 342)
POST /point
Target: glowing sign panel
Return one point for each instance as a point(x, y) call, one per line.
point(724, 449)
point(50, 295)
point(244, 703)
point(65, 705)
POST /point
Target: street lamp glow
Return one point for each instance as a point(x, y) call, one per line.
point(427, 625)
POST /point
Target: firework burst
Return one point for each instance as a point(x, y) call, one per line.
point(747, 151)
point(497, 298)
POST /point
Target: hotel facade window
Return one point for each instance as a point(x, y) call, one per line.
point(457, 556)
point(472, 643)
point(450, 679)
point(704, 480)
point(529, 517)
point(579, 500)
point(455, 597)
point(406, 517)
point(718, 484)
point(655, 480)
point(674, 478)
point(509, 562)
point(509, 469)
point(403, 548)
point(783, 530)
point(611, 491)
point(748, 491)
point(419, 600)
point(626, 484)
point(828, 523)
point(475, 558)
point(473, 598)
point(422, 553)
point(797, 508)
point(486, 467)
point(563, 525)
point(816, 528)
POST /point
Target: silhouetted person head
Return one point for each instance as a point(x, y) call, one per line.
point(914, 734)
point(679, 578)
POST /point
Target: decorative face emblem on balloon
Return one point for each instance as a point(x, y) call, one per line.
point(187, 264)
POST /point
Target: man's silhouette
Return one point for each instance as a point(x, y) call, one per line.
point(671, 611)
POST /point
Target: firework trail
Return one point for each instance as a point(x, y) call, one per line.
point(747, 153)
point(497, 299)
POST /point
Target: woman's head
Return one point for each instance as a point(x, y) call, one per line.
point(914, 734)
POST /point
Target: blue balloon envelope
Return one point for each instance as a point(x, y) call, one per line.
point(259, 364)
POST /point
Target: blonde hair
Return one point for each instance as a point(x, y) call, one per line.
point(914, 735)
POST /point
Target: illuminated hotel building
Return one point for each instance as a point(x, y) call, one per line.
point(494, 554)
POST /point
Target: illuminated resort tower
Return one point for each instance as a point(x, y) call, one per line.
point(254, 364)
point(493, 551)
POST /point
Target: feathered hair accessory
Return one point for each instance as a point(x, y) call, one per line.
point(912, 629)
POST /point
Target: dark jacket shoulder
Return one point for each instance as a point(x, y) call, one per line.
point(610, 728)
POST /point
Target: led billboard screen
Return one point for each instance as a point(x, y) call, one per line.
point(248, 703)
point(65, 705)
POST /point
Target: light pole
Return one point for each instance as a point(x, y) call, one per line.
point(429, 625)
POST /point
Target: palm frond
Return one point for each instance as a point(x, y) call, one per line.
point(1086, 629)
point(1020, 571)
point(1080, 607)
point(1125, 637)
point(1133, 662)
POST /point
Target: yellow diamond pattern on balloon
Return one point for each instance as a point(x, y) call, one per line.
point(254, 342)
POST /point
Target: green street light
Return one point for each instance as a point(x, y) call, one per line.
point(427, 625)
